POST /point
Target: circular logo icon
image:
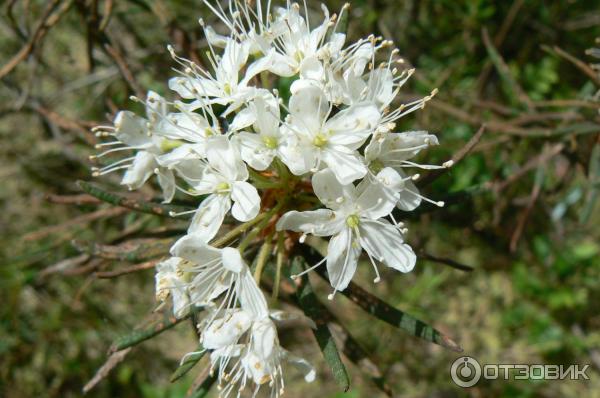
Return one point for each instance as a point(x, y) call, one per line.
point(465, 372)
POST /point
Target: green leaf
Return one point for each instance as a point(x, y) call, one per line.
point(137, 205)
point(138, 336)
point(203, 388)
point(190, 361)
point(380, 309)
point(594, 185)
point(315, 310)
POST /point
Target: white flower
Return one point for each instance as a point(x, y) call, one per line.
point(216, 271)
point(300, 49)
point(355, 221)
point(170, 282)
point(224, 180)
point(223, 86)
point(137, 133)
point(392, 150)
point(332, 141)
point(246, 348)
point(260, 148)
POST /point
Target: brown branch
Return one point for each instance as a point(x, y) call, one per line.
point(44, 232)
point(113, 360)
point(446, 261)
point(127, 270)
point(516, 236)
point(582, 66)
point(81, 199)
point(458, 156)
point(533, 163)
point(125, 70)
point(47, 21)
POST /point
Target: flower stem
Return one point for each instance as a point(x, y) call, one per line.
point(263, 256)
point(240, 229)
point(279, 263)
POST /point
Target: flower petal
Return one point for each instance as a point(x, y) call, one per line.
point(308, 107)
point(131, 130)
point(246, 202)
point(140, 170)
point(251, 297)
point(345, 164)
point(166, 180)
point(195, 250)
point(320, 222)
point(329, 190)
point(359, 118)
point(223, 157)
point(226, 331)
point(377, 196)
point(209, 217)
point(384, 243)
point(342, 259)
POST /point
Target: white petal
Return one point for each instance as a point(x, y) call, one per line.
point(357, 119)
point(377, 197)
point(345, 164)
point(251, 297)
point(329, 190)
point(226, 331)
point(384, 243)
point(311, 68)
point(232, 260)
point(398, 146)
point(140, 170)
point(321, 222)
point(300, 159)
point(192, 88)
point(308, 106)
point(243, 119)
point(214, 38)
point(195, 250)
point(408, 200)
point(224, 157)
point(166, 179)
point(177, 155)
point(342, 259)
point(254, 152)
point(264, 337)
point(282, 66)
point(246, 202)
point(209, 217)
point(131, 130)
point(302, 364)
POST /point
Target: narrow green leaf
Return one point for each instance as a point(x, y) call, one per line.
point(380, 309)
point(132, 252)
point(203, 388)
point(190, 361)
point(137, 205)
point(138, 336)
point(318, 313)
point(594, 185)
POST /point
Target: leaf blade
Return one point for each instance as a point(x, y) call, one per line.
point(315, 310)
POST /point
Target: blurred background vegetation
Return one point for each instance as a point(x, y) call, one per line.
point(522, 205)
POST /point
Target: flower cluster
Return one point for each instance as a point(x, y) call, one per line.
point(321, 159)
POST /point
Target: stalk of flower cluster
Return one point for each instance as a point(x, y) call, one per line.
point(327, 162)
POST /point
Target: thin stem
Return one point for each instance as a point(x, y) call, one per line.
point(240, 229)
point(279, 262)
point(263, 256)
